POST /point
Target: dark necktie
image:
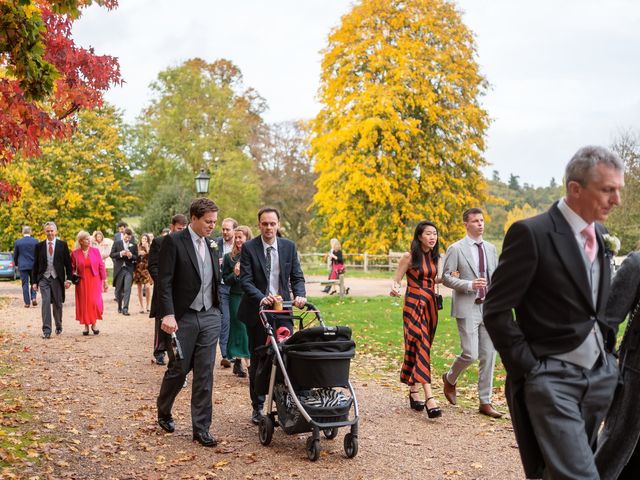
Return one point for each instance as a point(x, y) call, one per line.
point(483, 272)
point(268, 265)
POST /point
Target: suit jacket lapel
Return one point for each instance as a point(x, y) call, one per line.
point(569, 253)
point(282, 281)
point(191, 251)
point(215, 257)
point(259, 251)
point(605, 271)
point(468, 256)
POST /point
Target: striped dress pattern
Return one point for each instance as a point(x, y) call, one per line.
point(420, 315)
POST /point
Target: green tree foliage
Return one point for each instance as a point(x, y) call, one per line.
point(201, 118)
point(81, 184)
point(624, 221)
point(165, 203)
point(287, 177)
point(526, 199)
point(401, 132)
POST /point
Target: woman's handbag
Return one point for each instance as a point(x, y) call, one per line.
point(75, 278)
point(439, 300)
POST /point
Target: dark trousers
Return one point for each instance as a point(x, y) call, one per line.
point(226, 318)
point(198, 334)
point(160, 339)
point(51, 298)
point(124, 279)
point(28, 293)
point(257, 338)
point(566, 405)
point(631, 469)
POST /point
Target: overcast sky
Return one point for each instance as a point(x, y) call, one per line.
point(563, 73)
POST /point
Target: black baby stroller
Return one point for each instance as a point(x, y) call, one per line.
point(300, 375)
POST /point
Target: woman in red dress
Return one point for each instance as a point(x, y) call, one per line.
point(420, 314)
point(88, 265)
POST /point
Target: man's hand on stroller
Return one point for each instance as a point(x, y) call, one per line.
point(300, 302)
point(269, 300)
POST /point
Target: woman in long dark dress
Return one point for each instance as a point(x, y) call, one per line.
point(618, 454)
point(238, 344)
point(420, 314)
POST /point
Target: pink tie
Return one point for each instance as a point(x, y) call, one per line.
point(201, 248)
point(589, 234)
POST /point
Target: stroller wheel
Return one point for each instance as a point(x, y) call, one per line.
point(313, 449)
point(265, 430)
point(350, 445)
point(330, 433)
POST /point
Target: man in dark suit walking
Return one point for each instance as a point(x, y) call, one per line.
point(178, 223)
point(190, 307)
point(554, 272)
point(124, 254)
point(24, 251)
point(269, 267)
point(51, 275)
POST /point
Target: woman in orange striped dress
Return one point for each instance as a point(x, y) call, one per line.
point(420, 314)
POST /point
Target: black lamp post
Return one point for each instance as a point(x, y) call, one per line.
point(202, 182)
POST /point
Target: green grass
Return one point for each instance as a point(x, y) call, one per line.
point(322, 270)
point(376, 323)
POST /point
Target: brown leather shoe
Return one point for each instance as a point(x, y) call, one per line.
point(225, 363)
point(449, 390)
point(488, 410)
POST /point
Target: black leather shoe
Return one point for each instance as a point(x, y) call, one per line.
point(125, 312)
point(58, 331)
point(119, 310)
point(205, 439)
point(160, 360)
point(256, 416)
point(167, 424)
point(46, 336)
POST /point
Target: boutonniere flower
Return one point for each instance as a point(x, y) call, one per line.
point(611, 243)
point(130, 245)
point(213, 245)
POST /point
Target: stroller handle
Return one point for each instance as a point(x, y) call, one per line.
point(288, 304)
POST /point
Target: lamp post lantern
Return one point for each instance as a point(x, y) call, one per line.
point(202, 182)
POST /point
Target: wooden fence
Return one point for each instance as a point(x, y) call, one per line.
point(366, 262)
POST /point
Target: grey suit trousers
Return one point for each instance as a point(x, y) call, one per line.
point(566, 405)
point(198, 334)
point(51, 298)
point(476, 344)
point(124, 279)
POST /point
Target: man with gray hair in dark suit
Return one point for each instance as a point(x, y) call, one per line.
point(554, 272)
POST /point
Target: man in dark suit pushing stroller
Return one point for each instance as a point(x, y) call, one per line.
point(269, 267)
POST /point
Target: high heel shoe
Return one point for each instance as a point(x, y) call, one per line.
point(434, 412)
point(416, 405)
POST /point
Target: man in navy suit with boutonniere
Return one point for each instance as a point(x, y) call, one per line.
point(124, 254)
point(269, 266)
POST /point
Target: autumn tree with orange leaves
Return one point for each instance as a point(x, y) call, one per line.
point(45, 78)
point(400, 137)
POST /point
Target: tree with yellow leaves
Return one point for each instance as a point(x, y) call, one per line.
point(401, 133)
point(519, 213)
point(80, 184)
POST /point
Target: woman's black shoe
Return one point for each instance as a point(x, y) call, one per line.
point(434, 412)
point(415, 404)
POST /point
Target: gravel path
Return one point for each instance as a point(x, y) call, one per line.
point(94, 399)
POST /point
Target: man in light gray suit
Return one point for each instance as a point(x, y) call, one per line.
point(475, 261)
